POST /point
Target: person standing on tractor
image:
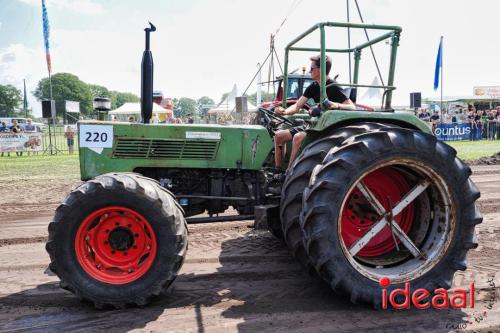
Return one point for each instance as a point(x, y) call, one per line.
point(337, 100)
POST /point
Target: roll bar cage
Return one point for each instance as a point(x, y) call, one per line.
point(393, 34)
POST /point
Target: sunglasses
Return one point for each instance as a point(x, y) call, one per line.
point(312, 68)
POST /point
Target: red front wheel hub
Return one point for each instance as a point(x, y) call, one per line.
point(115, 245)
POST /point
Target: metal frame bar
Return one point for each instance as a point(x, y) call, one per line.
point(393, 34)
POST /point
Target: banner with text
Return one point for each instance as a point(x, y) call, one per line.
point(453, 132)
point(12, 142)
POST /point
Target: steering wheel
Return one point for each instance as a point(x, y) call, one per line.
point(269, 114)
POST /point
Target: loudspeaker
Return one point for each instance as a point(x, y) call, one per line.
point(47, 107)
point(415, 100)
point(241, 104)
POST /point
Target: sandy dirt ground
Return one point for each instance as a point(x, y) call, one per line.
point(234, 278)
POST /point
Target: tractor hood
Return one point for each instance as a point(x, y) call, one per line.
point(123, 147)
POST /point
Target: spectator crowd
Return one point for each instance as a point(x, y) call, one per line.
point(485, 124)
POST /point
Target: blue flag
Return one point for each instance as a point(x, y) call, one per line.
point(46, 34)
point(439, 63)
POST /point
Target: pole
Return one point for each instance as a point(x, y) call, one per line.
point(349, 41)
point(269, 72)
point(442, 80)
point(392, 68)
point(259, 87)
point(322, 85)
point(51, 115)
point(25, 102)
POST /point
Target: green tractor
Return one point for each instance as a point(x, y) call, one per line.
point(372, 195)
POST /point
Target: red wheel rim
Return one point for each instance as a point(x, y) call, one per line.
point(115, 245)
point(389, 186)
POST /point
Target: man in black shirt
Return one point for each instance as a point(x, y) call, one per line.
point(424, 115)
point(434, 121)
point(337, 99)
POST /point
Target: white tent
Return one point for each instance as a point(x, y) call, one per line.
point(228, 104)
point(134, 109)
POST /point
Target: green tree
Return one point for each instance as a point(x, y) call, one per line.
point(66, 87)
point(205, 103)
point(265, 97)
point(184, 106)
point(223, 97)
point(99, 91)
point(10, 98)
point(120, 98)
point(205, 100)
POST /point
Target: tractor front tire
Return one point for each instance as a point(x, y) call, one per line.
point(297, 179)
point(117, 240)
point(419, 185)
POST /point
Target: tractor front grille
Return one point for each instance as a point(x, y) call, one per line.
point(166, 149)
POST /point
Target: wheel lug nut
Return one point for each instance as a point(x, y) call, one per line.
point(135, 246)
point(130, 270)
point(105, 242)
point(125, 253)
point(129, 225)
point(113, 252)
point(107, 230)
point(136, 235)
point(117, 223)
point(87, 238)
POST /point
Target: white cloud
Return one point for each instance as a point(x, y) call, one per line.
point(29, 64)
point(80, 6)
point(8, 57)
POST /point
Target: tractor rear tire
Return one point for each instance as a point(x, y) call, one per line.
point(297, 179)
point(117, 240)
point(439, 220)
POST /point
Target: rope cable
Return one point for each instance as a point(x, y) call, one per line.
point(292, 8)
point(268, 55)
point(278, 60)
point(371, 49)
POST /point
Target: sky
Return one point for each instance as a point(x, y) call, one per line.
point(202, 48)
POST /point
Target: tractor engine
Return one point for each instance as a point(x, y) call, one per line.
point(215, 190)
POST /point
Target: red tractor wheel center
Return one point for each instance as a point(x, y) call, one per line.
point(115, 245)
point(389, 186)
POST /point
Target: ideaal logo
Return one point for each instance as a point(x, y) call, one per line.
point(423, 299)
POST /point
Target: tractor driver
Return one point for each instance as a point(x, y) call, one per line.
point(337, 99)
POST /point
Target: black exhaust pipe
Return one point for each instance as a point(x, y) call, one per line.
point(147, 79)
